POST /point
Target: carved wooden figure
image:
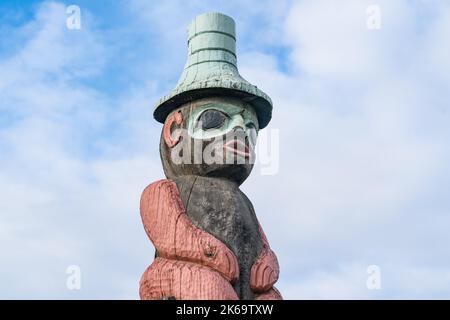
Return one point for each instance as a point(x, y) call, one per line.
point(209, 243)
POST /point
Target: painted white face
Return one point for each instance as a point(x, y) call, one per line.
point(213, 119)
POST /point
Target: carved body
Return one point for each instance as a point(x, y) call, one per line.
point(209, 243)
point(194, 264)
point(219, 207)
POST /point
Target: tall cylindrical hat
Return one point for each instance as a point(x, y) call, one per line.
point(211, 69)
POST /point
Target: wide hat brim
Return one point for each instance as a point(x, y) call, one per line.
point(247, 92)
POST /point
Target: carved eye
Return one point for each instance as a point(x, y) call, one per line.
point(211, 119)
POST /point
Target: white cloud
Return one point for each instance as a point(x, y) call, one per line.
point(70, 194)
point(364, 136)
point(358, 162)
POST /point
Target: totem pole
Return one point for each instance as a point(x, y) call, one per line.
point(209, 244)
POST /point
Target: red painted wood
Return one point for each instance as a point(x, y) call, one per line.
point(178, 119)
point(184, 281)
point(174, 235)
point(191, 263)
point(265, 270)
point(272, 294)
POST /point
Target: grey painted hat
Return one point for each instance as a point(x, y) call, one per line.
point(211, 69)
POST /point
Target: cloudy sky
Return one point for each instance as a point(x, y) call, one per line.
point(362, 108)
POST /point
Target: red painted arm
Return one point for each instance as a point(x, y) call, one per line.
point(265, 270)
point(175, 237)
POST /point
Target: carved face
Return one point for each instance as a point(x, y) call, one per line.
point(211, 119)
point(210, 137)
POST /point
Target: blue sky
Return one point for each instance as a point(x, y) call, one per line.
point(363, 117)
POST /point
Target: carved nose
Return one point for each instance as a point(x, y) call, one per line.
point(239, 123)
point(239, 129)
point(239, 133)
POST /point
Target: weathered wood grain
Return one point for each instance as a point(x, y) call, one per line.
point(265, 270)
point(184, 280)
point(175, 237)
point(271, 294)
point(191, 263)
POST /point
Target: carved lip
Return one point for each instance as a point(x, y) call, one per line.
point(237, 147)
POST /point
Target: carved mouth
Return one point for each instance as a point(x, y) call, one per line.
point(237, 147)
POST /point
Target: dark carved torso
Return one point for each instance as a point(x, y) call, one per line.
point(220, 208)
